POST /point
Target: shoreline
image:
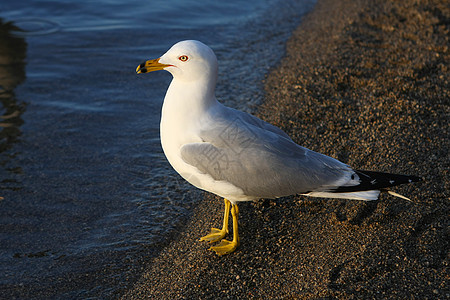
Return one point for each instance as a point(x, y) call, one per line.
point(364, 82)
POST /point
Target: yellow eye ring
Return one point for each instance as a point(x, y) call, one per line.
point(183, 58)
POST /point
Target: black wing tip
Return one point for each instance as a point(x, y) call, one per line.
point(416, 178)
point(400, 177)
point(371, 180)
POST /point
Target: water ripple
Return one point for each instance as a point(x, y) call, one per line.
point(35, 26)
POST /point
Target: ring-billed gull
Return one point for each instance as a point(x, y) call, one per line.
point(238, 156)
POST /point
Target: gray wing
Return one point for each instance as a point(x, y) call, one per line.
point(260, 158)
point(254, 121)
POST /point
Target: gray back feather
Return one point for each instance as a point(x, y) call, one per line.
point(259, 158)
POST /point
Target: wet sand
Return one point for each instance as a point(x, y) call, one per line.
point(367, 83)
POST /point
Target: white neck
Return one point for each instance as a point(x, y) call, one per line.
point(189, 96)
point(184, 104)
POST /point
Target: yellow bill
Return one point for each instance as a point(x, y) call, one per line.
point(150, 66)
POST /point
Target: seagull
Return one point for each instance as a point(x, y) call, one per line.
point(238, 156)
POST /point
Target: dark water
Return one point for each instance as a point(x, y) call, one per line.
point(88, 194)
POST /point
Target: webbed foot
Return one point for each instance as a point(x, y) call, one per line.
point(215, 235)
point(225, 247)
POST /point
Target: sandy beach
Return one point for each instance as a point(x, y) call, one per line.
point(365, 82)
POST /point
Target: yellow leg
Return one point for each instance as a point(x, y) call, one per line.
point(227, 247)
point(218, 234)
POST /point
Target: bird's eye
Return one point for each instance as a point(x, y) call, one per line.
point(183, 58)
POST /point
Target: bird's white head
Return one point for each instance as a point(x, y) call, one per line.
point(186, 61)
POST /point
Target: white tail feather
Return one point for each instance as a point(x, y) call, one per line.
point(365, 195)
point(398, 195)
